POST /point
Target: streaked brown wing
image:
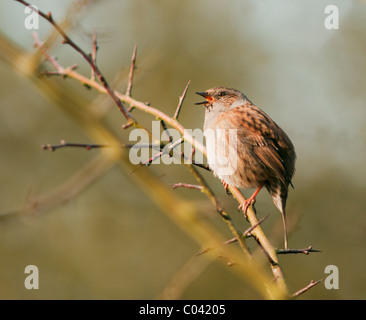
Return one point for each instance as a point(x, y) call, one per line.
point(267, 141)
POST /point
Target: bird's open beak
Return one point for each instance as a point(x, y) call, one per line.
point(208, 98)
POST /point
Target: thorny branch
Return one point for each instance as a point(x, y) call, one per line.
point(186, 185)
point(306, 251)
point(255, 229)
point(308, 287)
point(88, 58)
point(181, 99)
point(245, 234)
point(94, 54)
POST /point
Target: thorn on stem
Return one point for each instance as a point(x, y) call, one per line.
point(186, 185)
point(309, 286)
point(306, 251)
point(131, 74)
point(181, 99)
point(127, 125)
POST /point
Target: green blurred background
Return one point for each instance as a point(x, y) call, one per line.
point(111, 241)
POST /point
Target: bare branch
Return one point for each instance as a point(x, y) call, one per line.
point(132, 69)
point(65, 144)
point(65, 192)
point(226, 217)
point(229, 262)
point(296, 251)
point(303, 290)
point(257, 232)
point(87, 146)
point(186, 185)
point(203, 166)
point(38, 44)
point(87, 57)
point(166, 129)
point(181, 99)
point(118, 98)
point(143, 106)
point(246, 234)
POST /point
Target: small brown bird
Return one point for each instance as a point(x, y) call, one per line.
point(252, 151)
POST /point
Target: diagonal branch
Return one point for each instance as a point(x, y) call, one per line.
point(131, 74)
point(87, 57)
point(226, 217)
point(94, 54)
point(245, 234)
point(89, 146)
point(181, 99)
point(308, 287)
point(257, 233)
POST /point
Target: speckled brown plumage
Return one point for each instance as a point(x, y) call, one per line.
point(265, 156)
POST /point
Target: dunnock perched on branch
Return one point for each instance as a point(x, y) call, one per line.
point(246, 148)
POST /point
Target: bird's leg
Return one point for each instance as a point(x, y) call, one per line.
point(245, 205)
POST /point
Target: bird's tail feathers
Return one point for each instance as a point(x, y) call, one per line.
point(279, 198)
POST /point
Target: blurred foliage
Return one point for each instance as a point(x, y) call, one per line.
point(111, 242)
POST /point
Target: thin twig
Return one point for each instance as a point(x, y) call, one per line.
point(296, 251)
point(186, 185)
point(88, 146)
point(164, 151)
point(64, 192)
point(248, 233)
point(259, 234)
point(87, 57)
point(263, 242)
point(175, 207)
point(190, 158)
point(94, 54)
point(165, 128)
point(245, 234)
point(309, 286)
point(181, 99)
point(131, 74)
point(226, 217)
point(57, 73)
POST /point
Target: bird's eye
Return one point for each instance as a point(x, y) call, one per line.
point(222, 93)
